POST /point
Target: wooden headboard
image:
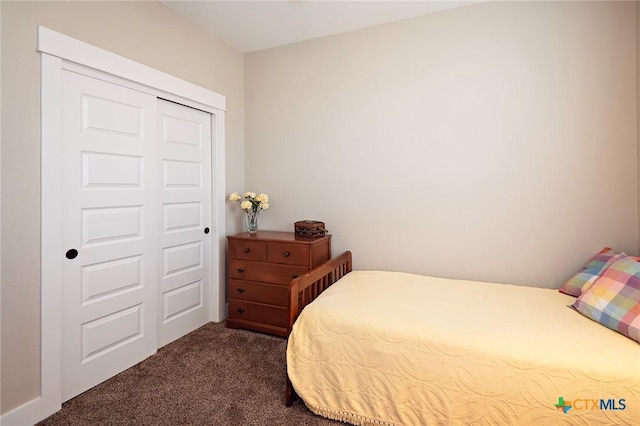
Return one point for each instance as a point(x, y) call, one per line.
point(304, 289)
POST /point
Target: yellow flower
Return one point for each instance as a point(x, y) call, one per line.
point(250, 201)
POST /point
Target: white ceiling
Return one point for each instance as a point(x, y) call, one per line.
point(262, 24)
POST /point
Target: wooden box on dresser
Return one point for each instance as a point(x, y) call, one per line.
point(260, 268)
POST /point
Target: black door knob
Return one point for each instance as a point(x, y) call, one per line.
point(71, 254)
point(206, 230)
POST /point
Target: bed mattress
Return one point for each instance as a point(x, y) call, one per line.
point(395, 348)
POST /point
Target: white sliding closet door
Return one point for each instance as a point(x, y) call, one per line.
point(127, 180)
point(185, 238)
point(109, 230)
point(136, 227)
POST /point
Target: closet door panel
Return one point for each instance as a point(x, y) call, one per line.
point(185, 211)
point(110, 230)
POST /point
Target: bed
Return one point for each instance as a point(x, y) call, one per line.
point(377, 347)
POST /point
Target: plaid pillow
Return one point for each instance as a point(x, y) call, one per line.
point(589, 272)
point(613, 300)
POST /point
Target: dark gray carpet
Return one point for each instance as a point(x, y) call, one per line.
point(213, 376)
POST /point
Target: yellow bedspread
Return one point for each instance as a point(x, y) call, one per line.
point(403, 349)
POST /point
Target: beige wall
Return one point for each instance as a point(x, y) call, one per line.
point(146, 32)
point(493, 142)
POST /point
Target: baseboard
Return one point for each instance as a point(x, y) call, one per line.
point(28, 413)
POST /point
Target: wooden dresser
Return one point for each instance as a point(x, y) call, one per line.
point(260, 268)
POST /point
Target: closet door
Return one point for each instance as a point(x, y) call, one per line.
point(110, 230)
point(185, 211)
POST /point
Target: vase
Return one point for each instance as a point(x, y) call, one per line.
point(252, 221)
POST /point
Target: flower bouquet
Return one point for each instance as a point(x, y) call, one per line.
point(252, 204)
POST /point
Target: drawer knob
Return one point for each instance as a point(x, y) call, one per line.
point(241, 310)
point(240, 290)
point(241, 270)
point(285, 254)
point(247, 249)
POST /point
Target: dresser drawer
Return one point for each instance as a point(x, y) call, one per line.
point(248, 250)
point(264, 272)
point(256, 312)
point(289, 254)
point(269, 294)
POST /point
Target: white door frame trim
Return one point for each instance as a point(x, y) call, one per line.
point(58, 52)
